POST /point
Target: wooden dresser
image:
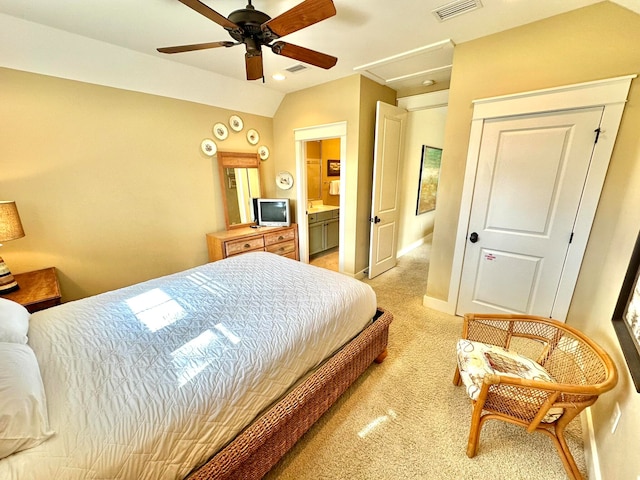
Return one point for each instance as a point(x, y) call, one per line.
point(279, 240)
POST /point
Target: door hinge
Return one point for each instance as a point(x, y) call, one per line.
point(597, 130)
point(571, 238)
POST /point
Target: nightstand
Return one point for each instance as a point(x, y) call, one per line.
point(38, 289)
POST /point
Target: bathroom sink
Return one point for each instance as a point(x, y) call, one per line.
point(321, 208)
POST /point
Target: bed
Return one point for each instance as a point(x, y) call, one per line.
point(214, 372)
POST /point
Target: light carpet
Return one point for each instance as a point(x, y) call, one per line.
point(404, 418)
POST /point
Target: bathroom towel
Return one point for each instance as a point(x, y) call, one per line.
point(334, 187)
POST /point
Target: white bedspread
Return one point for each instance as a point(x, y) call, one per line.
point(149, 381)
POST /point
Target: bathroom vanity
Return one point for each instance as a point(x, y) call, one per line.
point(324, 227)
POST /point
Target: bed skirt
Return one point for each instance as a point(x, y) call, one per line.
point(261, 445)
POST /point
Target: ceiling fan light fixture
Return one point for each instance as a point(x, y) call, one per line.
point(256, 29)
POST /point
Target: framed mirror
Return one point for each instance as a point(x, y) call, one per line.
point(240, 183)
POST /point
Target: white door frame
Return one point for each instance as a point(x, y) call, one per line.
point(610, 93)
point(302, 135)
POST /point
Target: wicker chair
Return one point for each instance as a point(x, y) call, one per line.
point(579, 369)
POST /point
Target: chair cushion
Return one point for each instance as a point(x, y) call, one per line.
point(476, 359)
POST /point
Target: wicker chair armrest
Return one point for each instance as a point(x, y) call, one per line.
point(570, 389)
point(493, 379)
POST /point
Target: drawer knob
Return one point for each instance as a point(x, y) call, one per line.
point(247, 245)
point(280, 237)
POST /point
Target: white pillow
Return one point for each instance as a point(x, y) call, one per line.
point(24, 422)
point(14, 322)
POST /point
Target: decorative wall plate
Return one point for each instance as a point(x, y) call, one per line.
point(263, 152)
point(284, 180)
point(209, 147)
point(236, 123)
point(253, 137)
point(220, 131)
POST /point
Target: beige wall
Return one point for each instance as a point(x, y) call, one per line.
point(318, 152)
point(351, 100)
point(330, 150)
point(111, 185)
point(424, 127)
point(592, 43)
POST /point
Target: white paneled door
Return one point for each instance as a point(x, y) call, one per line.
point(384, 202)
point(531, 173)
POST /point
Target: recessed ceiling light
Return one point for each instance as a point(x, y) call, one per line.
point(427, 83)
point(278, 76)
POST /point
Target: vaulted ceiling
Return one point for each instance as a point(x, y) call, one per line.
point(402, 44)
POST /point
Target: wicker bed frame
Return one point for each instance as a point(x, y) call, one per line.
point(259, 447)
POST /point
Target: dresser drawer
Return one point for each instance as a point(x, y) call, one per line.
point(281, 236)
point(228, 243)
point(243, 245)
point(283, 248)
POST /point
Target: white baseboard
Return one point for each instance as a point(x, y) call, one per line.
point(360, 275)
point(413, 246)
point(440, 305)
point(590, 447)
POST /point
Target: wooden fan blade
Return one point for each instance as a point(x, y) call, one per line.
point(254, 66)
point(301, 16)
point(197, 46)
point(211, 14)
point(305, 55)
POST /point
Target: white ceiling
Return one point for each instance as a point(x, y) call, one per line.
point(361, 33)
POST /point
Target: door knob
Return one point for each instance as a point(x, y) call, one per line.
point(473, 238)
point(375, 219)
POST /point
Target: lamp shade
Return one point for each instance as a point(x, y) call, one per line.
point(10, 224)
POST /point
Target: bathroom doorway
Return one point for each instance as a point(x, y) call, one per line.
point(323, 171)
point(317, 206)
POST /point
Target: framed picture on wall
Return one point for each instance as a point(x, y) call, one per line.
point(626, 316)
point(333, 168)
point(429, 176)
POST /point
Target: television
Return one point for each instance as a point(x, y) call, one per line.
point(272, 212)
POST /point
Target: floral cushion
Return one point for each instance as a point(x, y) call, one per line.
point(476, 360)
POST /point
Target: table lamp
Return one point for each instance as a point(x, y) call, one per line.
point(10, 229)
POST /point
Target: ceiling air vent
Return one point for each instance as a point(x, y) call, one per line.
point(296, 68)
point(454, 9)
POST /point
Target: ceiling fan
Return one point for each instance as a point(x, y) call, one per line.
point(254, 29)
